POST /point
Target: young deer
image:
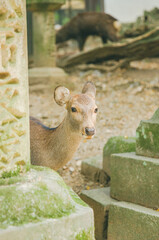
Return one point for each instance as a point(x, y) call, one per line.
point(54, 147)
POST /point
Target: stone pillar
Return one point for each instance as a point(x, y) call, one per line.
point(14, 106)
point(43, 39)
point(44, 60)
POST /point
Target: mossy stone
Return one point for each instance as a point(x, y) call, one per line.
point(118, 144)
point(147, 137)
point(34, 196)
point(135, 179)
point(39, 205)
point(132, 222)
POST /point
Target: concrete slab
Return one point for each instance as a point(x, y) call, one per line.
point(135, 179)
point(100, 201)
point(132, 222)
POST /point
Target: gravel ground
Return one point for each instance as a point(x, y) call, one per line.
point(124, 98)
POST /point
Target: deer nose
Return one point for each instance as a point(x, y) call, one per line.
point(89, 131)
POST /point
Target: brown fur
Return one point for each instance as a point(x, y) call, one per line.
point(86, 24)
point(55, 147)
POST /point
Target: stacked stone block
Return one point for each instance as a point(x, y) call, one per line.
point(135, 187)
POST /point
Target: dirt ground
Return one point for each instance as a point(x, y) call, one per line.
point(124, 98)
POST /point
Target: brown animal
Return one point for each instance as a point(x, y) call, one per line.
point(86, 24)
point(54, 147)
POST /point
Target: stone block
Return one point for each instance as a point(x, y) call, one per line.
point(92, 169)
point(50, 77)
point(132, 222)
point(100, 201)
point(44, 5)
point(147, 137)
point(135, 179)
point(39, 205)
point(118, 144)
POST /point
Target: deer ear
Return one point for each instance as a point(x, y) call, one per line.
point(89, 89)
point(61, 95)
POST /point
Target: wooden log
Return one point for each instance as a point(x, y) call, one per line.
point(146, 45)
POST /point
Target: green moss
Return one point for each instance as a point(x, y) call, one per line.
point(11, 173)
point(28, 166)
point(74, 196)
point(119, 144)
point(147, 142)
point(28, 203)
point(12, 180)
point(41, 169)
point(83, 235)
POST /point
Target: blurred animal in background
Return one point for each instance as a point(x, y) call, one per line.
point(89, 24)
point(54, 147)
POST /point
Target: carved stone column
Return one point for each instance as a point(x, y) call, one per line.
point(14, 113)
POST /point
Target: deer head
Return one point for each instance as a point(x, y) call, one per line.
point(81, 109)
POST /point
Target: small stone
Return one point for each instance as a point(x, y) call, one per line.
point(78, 163)
point(71, 169)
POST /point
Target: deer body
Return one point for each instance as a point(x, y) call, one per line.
point(54, 147)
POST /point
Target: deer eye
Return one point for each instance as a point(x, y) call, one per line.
point(96, 110)
point(73, 109)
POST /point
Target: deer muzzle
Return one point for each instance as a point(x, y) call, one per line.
point(89, 132)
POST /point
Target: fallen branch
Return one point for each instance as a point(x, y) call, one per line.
point(146, 45)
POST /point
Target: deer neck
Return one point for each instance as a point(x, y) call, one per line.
point(64, 141)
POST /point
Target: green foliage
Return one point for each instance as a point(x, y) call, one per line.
point(56, 17)
point(98, 8)
point(65, 20)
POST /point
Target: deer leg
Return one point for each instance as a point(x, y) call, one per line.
point(81, 41)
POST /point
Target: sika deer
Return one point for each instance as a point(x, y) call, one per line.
point(54, 147)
